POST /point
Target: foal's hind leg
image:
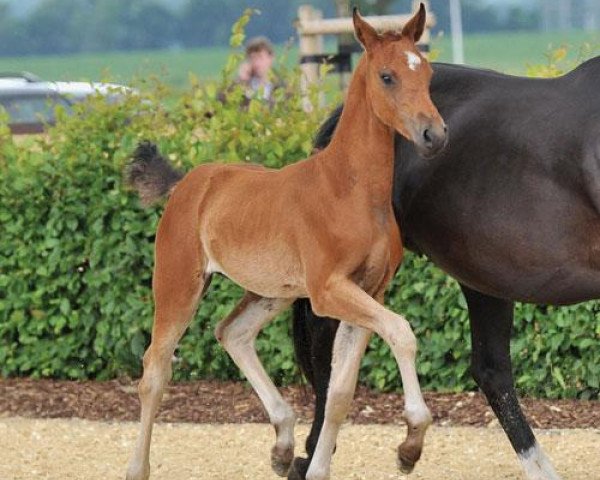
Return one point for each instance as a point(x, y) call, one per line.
point(177, 285)
point(237, 334)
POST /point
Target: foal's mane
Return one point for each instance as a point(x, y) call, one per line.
point(391, 36)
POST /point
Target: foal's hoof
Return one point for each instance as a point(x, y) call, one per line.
point(405, 466)
point(138, 472)
point(298, 469)
point(408, 456)
point(281, 459)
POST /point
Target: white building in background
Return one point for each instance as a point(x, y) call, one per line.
point(570, 14)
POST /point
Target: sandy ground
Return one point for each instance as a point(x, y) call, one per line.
point(80, 449)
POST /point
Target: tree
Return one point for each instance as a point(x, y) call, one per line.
point(50, 27)
point(11, 32)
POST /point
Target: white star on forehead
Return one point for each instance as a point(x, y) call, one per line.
point(413, 60)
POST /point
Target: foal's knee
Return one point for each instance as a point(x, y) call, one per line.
point(231, 337)
point(398, 334)
point(157, 371)
point(409, 341)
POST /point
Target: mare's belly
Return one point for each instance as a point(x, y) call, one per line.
point(556, 281)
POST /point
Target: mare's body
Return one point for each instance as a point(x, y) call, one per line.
point(511, 209)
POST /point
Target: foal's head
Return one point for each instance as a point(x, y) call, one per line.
point(398, 78)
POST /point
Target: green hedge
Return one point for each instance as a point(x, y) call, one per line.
point(76, 250)
point(76, 254)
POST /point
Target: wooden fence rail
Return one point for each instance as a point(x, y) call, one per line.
point(311, 27)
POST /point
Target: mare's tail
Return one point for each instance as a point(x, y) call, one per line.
point(302, 338)
point(151, 174)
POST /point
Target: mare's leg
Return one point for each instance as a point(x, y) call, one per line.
point(178, 284)
point(237, 334)
point(313, 341)
point(491, 325)
point(342, 299)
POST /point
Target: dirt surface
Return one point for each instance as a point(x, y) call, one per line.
point(230, 402)
point(80, 449)
point(225, 437)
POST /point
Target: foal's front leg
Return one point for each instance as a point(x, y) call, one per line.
point(237, 334)
point(344, 300)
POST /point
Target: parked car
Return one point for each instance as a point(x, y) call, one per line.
point(31, 101)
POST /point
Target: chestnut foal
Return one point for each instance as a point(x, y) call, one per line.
point(322, 228)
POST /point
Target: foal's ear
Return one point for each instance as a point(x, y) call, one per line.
point(364, 32)
point(416, 25)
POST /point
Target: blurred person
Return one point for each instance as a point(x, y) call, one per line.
point(255, 73)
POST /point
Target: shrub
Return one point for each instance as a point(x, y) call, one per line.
point(76, 251)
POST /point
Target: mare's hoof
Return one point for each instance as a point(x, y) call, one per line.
point(298, 469)
point(281, 460)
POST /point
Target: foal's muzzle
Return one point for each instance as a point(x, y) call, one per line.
point(432, 139)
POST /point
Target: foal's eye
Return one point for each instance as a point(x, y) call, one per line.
point(387, 79)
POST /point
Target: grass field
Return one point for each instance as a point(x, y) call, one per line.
point(507, 52)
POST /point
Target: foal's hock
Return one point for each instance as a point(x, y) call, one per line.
point(322, 229)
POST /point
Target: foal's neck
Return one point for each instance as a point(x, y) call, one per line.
point(361, 152)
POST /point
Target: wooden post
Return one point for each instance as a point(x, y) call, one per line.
point(311, 27)
point(310, 44)
point(336, 26)
point(344, 39)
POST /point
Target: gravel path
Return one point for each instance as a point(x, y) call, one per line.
point(82, 449)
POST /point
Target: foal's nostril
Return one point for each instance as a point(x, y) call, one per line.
point(434, 138)
point(427, 137)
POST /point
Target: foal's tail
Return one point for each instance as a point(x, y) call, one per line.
point(151, 174)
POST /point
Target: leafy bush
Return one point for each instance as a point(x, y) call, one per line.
point(76, 253)
point(561, 60)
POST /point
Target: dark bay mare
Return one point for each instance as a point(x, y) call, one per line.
point(511, 209)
